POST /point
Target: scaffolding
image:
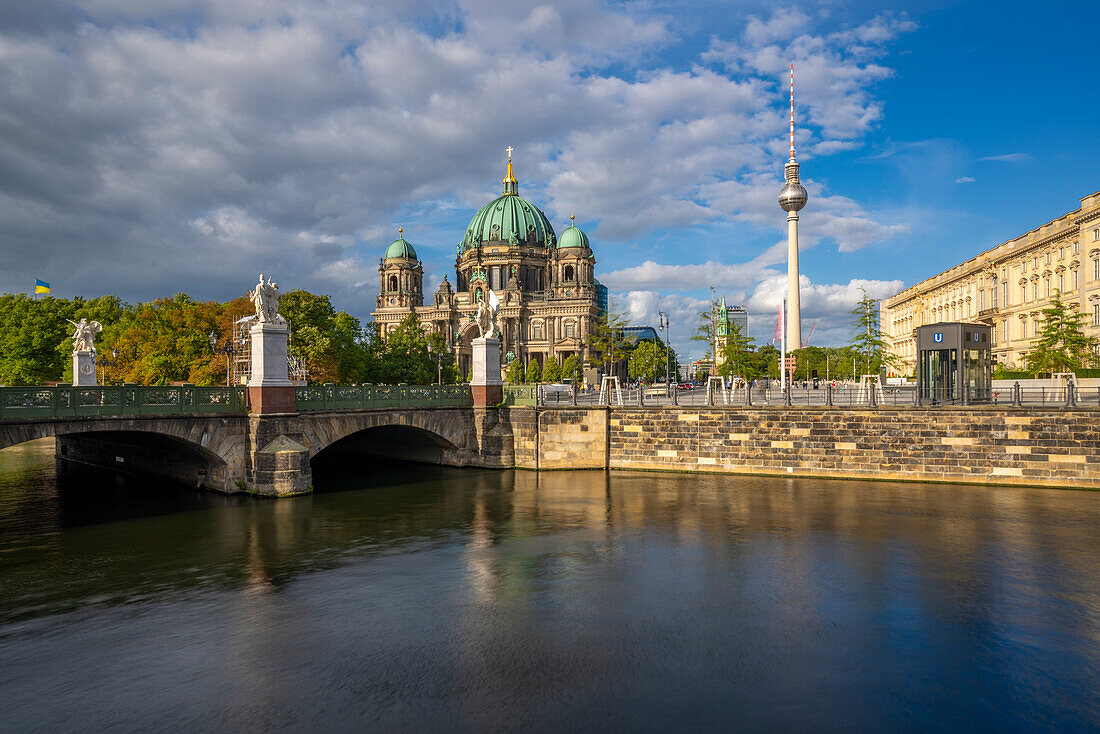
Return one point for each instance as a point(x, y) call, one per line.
point(242, 355)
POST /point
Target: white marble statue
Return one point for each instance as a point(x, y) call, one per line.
point(84, 335)
point(266, 298)
point(487, 310)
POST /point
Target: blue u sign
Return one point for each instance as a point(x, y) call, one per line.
point(937, 337)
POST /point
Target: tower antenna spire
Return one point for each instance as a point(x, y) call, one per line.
point(792, 111)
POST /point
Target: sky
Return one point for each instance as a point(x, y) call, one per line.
point(188, 145)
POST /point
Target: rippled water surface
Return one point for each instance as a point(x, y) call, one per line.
point(416, 598)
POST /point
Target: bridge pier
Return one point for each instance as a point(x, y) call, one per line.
point(278, 460)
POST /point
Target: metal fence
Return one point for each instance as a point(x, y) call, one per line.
point(841, 396)
point(67, 401)
point(365, 397)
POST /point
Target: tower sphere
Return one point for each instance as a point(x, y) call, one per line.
point(793, 196)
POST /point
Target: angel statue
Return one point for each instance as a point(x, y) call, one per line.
point(265, 298)
point(84, 336)
point(487, 310)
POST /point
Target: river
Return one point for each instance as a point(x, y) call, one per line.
point(420, 598)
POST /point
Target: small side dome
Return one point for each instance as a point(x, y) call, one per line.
point(400, 248)
point(572, 236)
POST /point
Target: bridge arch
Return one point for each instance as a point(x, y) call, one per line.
point(211, 446)
point(437, 436)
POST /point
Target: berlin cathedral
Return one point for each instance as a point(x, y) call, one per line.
point(550, 299)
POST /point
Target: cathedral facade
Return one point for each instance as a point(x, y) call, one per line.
point(550, 299)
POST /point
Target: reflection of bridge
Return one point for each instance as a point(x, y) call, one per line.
point(207, 435)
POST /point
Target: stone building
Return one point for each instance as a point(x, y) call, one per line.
point(1007, 287)
point(550, 299)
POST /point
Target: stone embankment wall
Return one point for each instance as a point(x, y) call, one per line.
point(559, 438)
point(1058, 448)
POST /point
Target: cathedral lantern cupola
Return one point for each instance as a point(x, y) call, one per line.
point(401, 276)
point(573, 263)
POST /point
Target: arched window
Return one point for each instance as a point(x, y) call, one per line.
point(568, 273)
point(393, 282)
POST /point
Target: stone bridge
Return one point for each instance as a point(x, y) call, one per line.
point(205, 436)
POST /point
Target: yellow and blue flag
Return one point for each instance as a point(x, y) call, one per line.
point(41, 286)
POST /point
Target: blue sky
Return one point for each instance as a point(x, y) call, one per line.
point(187, 145)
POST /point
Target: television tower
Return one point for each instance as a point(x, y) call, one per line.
point(792, 198)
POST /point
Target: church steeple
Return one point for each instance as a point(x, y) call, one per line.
point(510, 184)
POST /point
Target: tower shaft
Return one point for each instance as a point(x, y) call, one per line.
point(794, 305)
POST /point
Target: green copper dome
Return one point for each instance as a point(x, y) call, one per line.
point(509, 219)
point(572, 237)
point(399, 248)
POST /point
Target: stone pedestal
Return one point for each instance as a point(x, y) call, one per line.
point(270, 389)
point(278, 460)
point(84, 368)
point(485, 383)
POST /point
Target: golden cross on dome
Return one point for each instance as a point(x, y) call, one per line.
point(510, 149)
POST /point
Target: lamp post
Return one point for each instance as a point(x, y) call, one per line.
point(226, 349)
point(663, 324)
point(105, 363)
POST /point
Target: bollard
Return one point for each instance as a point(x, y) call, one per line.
point(1016, 394)
point(573, 394)
point(787, 395)
point(829, 395)
point(748, 395)
point(1069, 395)
point(675, 394)
point(871, 397)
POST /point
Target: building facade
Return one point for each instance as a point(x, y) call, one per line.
point(550, 299)
point(1007, 288)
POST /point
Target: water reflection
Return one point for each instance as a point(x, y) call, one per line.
point(431, 598)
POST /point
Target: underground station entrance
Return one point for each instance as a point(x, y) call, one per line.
point(955, 363)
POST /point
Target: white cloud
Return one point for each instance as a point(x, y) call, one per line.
point(964, 179)
point(1006, 158)
point(192, 143)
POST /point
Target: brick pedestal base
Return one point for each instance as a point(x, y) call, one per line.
point(487, 396)
point(271, 399)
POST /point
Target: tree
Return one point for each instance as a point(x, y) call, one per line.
point(571, 369)
point(406, 358)
point(609, 340)
point(534, 374)
point(867, 338)
point(704, 332)
point(515, 372)
point(1062, 345)
point(327, 340)
point(649, 360)
point(551, 371)
point(736, 353)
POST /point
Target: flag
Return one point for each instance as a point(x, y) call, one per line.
point(778, 325)
point(41, 286)
point(494, 302)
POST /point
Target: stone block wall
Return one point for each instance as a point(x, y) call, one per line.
point(1058, 448)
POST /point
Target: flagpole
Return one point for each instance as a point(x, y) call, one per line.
point(783, 347)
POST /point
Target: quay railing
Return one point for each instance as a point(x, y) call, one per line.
point(67, 401)
point(313, 398)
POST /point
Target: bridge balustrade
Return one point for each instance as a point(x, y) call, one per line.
point(314, 398)
point(521, 395)
point(66, 401)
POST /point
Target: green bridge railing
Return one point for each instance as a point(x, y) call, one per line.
point(66, 401)
point(365, 397)
point(521, 395)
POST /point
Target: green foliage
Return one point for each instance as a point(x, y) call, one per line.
point(571, 369)
point(704, 332)
point(608, 339)
point(1001, 373)
point(738, 353)
point(1062, 345)
point(648, 361)
point(551, 372)
point(534, 374)
point(405, 356)
point(515, 372)
point(867, 338)
point(830, 362)
point(325, 339)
